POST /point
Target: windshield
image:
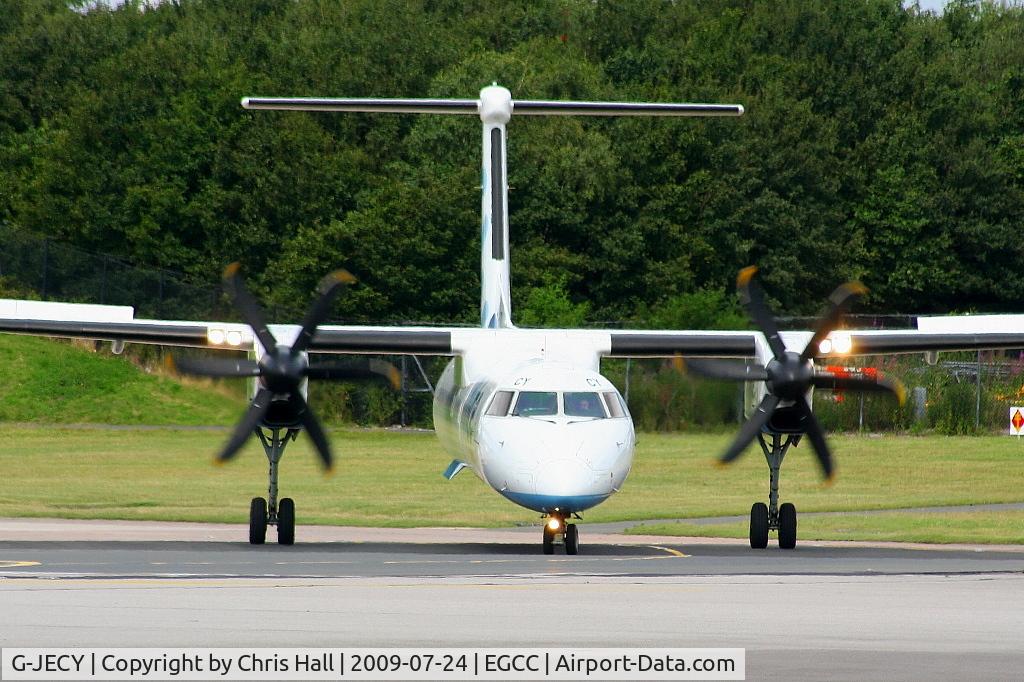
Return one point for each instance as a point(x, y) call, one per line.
point(536, 404)
point(584, 405)
point(500, 404)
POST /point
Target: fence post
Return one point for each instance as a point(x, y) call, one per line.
point(920, 404)
point(403, 392)
point(977, 401)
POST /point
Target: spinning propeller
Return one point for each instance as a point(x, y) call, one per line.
point(281, 369)
point(788, 376)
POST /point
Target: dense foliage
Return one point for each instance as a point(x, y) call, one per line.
point(879, 142)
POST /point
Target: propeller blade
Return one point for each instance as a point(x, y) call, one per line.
point(257, 410)
point(328, 290)
point(371, 369)
point(387, 370)
point(752, 298)
point(751, 428)
point(817, 437)
point(724, 369)
point(858, 379)
point(251, 311)
point(315, 431)
point(841, 299)
point(212, 367)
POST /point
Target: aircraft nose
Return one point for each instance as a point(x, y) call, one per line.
point(559, 467)
point(567, 476)
point(570, 484)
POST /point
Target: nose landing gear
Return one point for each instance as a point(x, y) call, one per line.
point(557, 530)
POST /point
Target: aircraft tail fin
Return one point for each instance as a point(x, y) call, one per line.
point(495, 292)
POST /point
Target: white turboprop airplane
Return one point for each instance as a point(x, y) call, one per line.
point(527, 410)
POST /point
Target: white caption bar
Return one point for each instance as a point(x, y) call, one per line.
point(372, 664)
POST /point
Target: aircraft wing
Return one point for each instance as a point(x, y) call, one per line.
point(141, 331)
point(661, 344)
point(101, 323)
point(860, 342)
point(385, 340)
point(934, 334)
point(917, 341)
point(118, 324)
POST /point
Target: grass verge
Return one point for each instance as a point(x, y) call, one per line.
point(50, 381)
point(388, 478)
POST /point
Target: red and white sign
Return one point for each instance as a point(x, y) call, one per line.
point(1016, 421)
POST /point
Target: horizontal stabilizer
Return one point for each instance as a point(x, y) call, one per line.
point(544, 108)
point(525, 107)
point(454, 468)
point(393, 106)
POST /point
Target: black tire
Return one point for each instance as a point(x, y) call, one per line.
point(787, 526)
point(572, 539)
point(257, 521)
point(759, 525)
point(549, 540)
point(286, 522)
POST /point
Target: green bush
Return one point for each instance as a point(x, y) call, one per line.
point(663, 399)
point(953, 410)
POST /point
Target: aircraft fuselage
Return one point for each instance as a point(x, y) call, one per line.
point(548, 433)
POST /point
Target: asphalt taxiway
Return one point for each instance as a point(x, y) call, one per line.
point(824, 610)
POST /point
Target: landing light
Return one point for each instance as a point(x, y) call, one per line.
point(554, 524)
point(218, 337)
point(836, 343)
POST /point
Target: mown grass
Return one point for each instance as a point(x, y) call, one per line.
point(874, 472)
point(388, 478)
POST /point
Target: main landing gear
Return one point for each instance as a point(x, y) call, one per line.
point(557, 530)
point(270, 512)
point(771, 516)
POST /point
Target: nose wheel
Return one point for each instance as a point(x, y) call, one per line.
point(572, 539)
point(557, 531)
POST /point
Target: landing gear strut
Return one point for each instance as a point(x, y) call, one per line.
point(555, 529)
point(771, 516)
point(270, 512)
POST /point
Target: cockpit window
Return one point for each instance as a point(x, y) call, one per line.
point(500, 404)
point(536, 404)
point(614, 406)
point(584, 404)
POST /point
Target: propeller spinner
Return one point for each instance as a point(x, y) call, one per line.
point(281, 369)
point(789, 376)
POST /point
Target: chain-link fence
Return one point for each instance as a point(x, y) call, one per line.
point(40, 267)
point(963, 393)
